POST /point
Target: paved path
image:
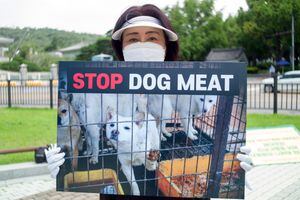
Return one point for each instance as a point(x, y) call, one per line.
point(37, 187)
point(274, 182)
point(53, 195)
point(21, 187)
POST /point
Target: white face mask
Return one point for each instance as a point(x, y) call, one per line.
point(144, 51)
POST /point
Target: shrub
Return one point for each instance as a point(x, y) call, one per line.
point(32, 67)
point(10, 66)
point(15, 65)
point(44, 60)
point(264, 65)
point(252, 70)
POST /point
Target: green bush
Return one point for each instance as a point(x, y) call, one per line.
point(44, 60)
point(252, 70)
point(10, 66)
point(15, 65)
point(265, 65)
point(32, 67)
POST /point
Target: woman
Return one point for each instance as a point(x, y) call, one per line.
point(144, 28)
point(142, 33)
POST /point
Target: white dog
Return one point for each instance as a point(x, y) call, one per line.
point(161, 108)
point(200, 104)
point(129, 138)
point(91, 109)
point(68, 134)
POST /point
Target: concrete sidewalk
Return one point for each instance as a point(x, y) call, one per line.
point(37, 187)
point(271, 182)
point(19, 170)
point(52, 194)
point(22, 187)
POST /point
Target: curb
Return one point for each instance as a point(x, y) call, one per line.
point(19, 170)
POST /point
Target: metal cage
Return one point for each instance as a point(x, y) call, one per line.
point(205, 167)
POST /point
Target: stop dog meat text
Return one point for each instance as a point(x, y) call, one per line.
point(149, 81)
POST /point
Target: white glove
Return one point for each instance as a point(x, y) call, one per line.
point(246, 162)
point(54, 159)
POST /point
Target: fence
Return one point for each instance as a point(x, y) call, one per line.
point(38, 93)
point(262, 96)
point(28, 93)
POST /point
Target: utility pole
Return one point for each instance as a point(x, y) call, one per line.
point(277, 36)
point(293, 43)
point(26, 33)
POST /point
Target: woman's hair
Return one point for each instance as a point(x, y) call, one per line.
point(172, 47)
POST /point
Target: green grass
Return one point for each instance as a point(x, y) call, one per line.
point(259, 120)
point(26, 127)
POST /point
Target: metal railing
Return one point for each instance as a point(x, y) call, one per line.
point(28, 93)
point(262, 96)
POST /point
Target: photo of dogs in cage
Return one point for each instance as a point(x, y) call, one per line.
point(151, 144)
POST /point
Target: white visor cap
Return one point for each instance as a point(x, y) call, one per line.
point(144, 21)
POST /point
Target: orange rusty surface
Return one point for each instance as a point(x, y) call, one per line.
point(188, 166)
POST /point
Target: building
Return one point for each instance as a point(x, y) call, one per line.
point(4, 44)
point(227, 55)
point(71, 51)
point(102, 57)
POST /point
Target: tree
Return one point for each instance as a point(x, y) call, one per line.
point(199, 28)
point(265, 19)
point(42, 38)
point(233, 32)
point(53, 45)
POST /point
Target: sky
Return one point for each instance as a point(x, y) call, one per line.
point(89, 16)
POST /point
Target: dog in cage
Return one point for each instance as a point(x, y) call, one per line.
point(69, 133)
point(91, 109)
point(136, 140)
point(160, 107)
point(185, 105)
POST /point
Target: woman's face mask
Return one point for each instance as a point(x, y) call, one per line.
point(144, 51)
point(143, 44)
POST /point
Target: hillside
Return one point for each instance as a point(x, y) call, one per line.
point(46, 39)
point(31, 46)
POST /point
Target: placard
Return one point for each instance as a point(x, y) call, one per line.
point(152, 129)
point(275, 145)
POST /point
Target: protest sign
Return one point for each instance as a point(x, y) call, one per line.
point(276, 145)
point(160, 129)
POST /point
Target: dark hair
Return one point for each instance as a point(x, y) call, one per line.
point(172, 47)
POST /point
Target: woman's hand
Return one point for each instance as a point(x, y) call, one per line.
point(246, 162)
point(54, 159)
